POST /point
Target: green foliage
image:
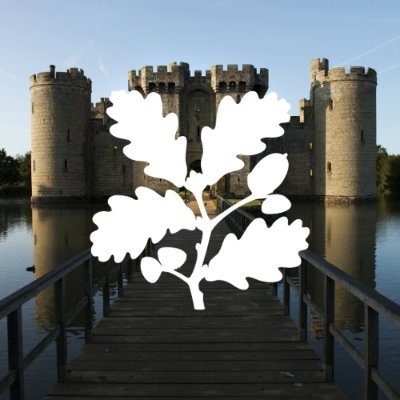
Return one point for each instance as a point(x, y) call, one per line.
point(24, 162)
point(387, 171)
point(9, 169)
point(15, 174)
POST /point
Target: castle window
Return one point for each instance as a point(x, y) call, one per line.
point(171, 88)
point(330, 104)
point(198, 131)
point(311, 172)
point(329, 167)
point(123, 169)
point(362, 136)
point(238, 98)
point(242, 87)
point(152, 87)
point(33, 165)
point(65, 165)
point(232, 86)
point(310, 146)
point(222, 87)
point(161, 88)
point(32, 109)
point(68, 135)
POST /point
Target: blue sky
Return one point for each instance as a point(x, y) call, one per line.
point(107, 39)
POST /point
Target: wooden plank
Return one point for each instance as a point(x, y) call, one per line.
point(313, 396)
point(185, 377)
point(202, 347)
point(231, 322)
point(211, 390)
point(105, 353)
point(193, 365)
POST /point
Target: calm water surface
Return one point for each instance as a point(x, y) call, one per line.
point(364, 240)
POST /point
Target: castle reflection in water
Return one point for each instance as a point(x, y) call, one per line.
point(344, 234)
point(60, 233)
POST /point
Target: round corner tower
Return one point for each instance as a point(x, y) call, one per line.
point(60, 118)
point(345, 131)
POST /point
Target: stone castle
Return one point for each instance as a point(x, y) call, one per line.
point(331, 145)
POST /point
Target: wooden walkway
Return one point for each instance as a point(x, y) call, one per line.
point(155, 346)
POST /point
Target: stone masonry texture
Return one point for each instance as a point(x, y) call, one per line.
point(331, 145)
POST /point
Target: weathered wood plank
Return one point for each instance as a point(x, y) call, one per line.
point(314, 396)
point(263, 322)
point(193, 365)
point(184, 377)
point(202, 347)
point(212, 390)
point(106, 354)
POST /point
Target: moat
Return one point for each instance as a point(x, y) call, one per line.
point(362, 239)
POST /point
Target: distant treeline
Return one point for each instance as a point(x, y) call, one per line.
point(388, 171)
point(15, 174)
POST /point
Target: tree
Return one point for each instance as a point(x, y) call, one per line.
point(9, 169)
point(393, 178)
point(382, 168)
point(24, 162)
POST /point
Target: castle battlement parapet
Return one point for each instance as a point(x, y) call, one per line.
point(305, 110)
point(320, 73)
point(355, 73)
point(238, 80)
point(99, 108)
point(148, 80)
point(73, 77)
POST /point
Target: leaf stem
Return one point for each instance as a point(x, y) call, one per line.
point(199, 199)
point(209, 224)
point(215, 221)
point(177, 274)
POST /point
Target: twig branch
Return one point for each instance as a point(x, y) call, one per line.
point(215, 221)
point(177, 274)
point(199, 199)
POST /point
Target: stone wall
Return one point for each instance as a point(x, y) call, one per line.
point(60, 116)
point(345, 132)
point(331, 145)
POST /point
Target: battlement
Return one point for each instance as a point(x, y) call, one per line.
point(198, 73)
point(319, 65)
point(72, 77)
point(175, 74)
point(247, 74)
point(355, 73)
point(99, 108)
point(320, 73)
point(295, 122)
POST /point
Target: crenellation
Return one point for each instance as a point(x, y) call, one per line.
point(76, 157)
point(319, 66)
point(305, 110)
point(339, 73)
point(162, 69)
point(232, 68)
